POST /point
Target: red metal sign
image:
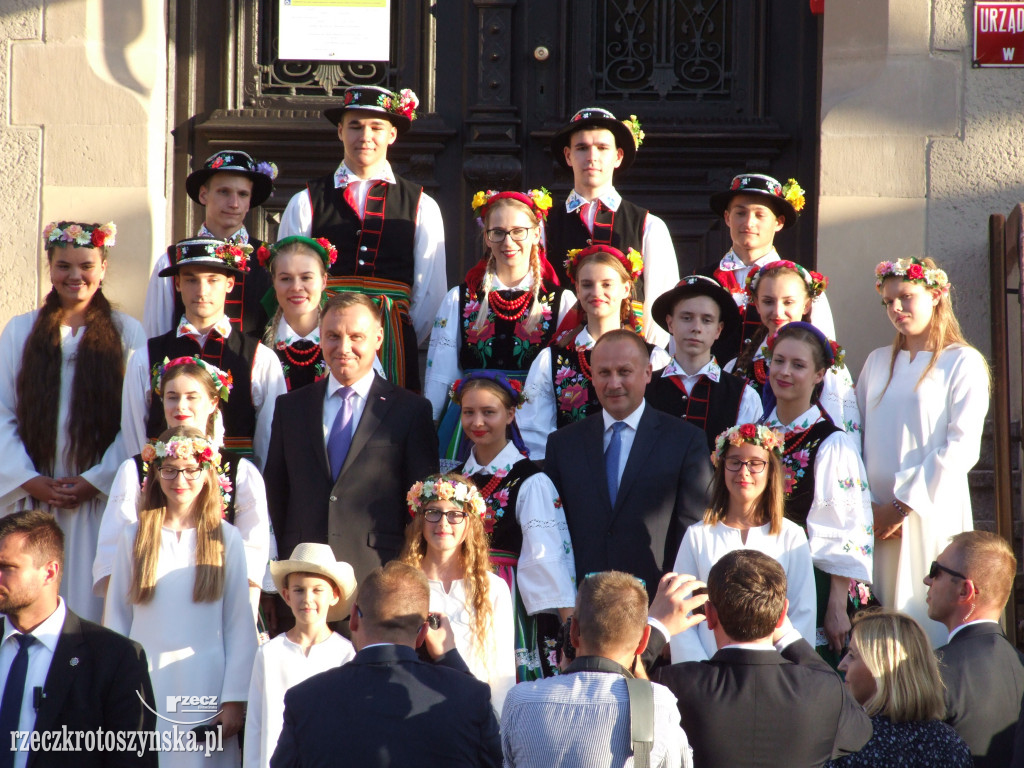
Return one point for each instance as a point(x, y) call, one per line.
point(998, 34)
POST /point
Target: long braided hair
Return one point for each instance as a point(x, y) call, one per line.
point(95, 405)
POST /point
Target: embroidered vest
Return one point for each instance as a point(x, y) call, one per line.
point(501, 344)
point(500, 523)
point(711, 406)
point(798, 462)
point(236, 354)
point(384, 246)
point(229, 468)
point(242, 305)
point(620, 229)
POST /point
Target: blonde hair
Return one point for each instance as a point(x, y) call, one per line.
point(270, 333)
point(987, 560)
point(536, 311)
point(206, 512)
point(899, 657)
point(943, 330)
point(771, 505)
point(475, 560)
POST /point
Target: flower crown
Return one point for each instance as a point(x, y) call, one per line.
point(539, 201)
point(913, 271)
point(513, 387)
point(222, 380)
point(79, 235)
point(755, 434)
point(324, 248)
point(631, 260)
point(198, 448)
point(794, 193)
point(403, 103)
point(443, 489)
point(634, 127)
point(838, 354)
point(815, 281)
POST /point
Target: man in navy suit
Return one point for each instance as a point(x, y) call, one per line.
point(766, 697)
point(386, 707)
point(631, 478)
point(968, 586)
point(57, 670)
point(344, 451)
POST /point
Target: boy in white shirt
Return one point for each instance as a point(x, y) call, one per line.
point(318, 589)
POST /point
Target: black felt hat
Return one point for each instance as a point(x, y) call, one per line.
point(697, 285)
point(595, 117)
point(234, 161)
point(758, 185)
point(399, 108)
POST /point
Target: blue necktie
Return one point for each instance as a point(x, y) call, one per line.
point(611, 459)
point(14, 693)
point(340, 439)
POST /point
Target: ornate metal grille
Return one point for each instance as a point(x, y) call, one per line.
point(671, 49)
point(315, 78)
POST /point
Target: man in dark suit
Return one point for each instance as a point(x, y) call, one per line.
point(57, 670)
point(766, 698)
point(968, 586)
point(344, 451)
point(631, 478)
point(386, 707)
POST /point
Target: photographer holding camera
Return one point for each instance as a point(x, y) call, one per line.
point(577, 718)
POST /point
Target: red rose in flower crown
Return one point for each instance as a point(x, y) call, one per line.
point(332, 252)
point(97, 238)
point(207, 454)
point(915, 272)
point(263, 255)
point(748, 431)
point(516, 385)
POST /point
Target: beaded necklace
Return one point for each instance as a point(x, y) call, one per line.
point(303, 357)
point(509, 309)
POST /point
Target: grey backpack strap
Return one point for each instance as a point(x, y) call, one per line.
point(641, 720)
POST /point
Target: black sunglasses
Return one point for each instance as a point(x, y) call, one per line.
point(933, 572)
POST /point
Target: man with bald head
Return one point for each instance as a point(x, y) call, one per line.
point(631, 478)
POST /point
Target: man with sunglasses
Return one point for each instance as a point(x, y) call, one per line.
point(968, 586)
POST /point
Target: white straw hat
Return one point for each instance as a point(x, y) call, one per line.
point(318, 559)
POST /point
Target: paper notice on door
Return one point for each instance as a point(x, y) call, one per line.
point(334, 30)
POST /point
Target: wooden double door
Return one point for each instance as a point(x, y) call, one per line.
point(720, 86)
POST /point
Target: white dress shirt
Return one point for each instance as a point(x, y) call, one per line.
point(751, 409)
point(332, 403)
point(430, 281)
point(626, 436)
point(40, 654)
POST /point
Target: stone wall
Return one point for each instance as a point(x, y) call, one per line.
point(83, 135)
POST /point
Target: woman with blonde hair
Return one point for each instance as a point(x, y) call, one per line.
point(446, 541)
point(504, 313)
point(179, 588)
point(891, 671)
point(747, 511)
point(923, 401)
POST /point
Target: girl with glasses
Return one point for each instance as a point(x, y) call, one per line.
point(825, 489)
point(192, 390)
point(924, 400)
point(747, 511)
point(506, 311)
point(178, 588)
point(446, 541)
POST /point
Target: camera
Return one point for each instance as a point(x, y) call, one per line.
point(434, 620)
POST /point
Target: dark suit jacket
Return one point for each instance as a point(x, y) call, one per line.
point(663, 489)
point(362, 515)
point(984, 678)
point(765, 708)
point(388, 708)
point(95, 678)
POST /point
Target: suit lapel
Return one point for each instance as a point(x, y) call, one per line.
point(594, 448)
point(68, 659)
point(379, 400)
point(643, 444)
point(315, 415)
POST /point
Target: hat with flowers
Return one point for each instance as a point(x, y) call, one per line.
point(221, 255)
point(628, 134)
point(261, 173)
point(72, 234)
point(222, 380)
point(785, 200)
point(913, 271)
point(631, 260)
point(202, 450)
point(755, 434)
point(399, 108)
point(538, 200)
point(815, 281)
point(448, 487)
